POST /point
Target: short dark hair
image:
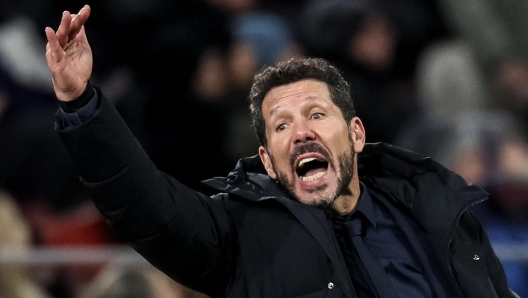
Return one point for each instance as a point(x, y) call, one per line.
point(294, 70)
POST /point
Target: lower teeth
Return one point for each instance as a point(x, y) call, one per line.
point(313, 177)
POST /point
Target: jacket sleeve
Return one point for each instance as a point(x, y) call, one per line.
point(497, 274)
point(477, 268)
point(184, 233)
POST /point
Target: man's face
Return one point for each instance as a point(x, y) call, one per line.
point(311, 149)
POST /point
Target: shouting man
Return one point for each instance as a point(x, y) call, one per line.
point(317, 213)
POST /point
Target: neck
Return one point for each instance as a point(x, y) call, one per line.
point(347, 201)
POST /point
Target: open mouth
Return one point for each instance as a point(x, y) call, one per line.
point(311, 168)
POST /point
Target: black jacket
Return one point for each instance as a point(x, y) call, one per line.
point(250, 240)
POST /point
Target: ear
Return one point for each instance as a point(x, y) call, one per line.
point(266, 160)
point(357, 134)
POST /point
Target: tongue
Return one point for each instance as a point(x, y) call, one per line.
point(312, 172)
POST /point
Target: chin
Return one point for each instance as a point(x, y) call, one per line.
point(317, 198)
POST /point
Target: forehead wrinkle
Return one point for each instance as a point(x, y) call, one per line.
point(308, 90)
point(309, 98)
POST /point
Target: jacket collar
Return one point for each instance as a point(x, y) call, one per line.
point(435, 196)
point(248, 180)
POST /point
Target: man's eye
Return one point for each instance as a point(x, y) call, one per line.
point(317, 116)
point(281, 127)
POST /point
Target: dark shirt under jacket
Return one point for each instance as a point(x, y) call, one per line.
point(400, 248)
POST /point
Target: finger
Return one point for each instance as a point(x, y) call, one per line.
point(82, 35)
point(53, 42)
point(78, 21)
point(48, 47)
point(64, 28)
point(54, 50)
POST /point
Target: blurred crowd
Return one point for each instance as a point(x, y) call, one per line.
point(445, 78)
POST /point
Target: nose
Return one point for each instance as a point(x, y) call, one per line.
point(303, 133)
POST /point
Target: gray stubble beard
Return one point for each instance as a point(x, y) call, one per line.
point(346, 170)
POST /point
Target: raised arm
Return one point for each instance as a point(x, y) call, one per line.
point(182, 232)
point(69, 55)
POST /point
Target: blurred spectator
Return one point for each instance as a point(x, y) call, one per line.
point(16, 281)
point(508, 87)
point(449, 82)
point(361, 40)
point(259, 37)
point(513, 163)
point(24, 77)
point(495, 32)
point(34, 166)
point(267, 34)
point(154, 80)
point(21, 49)
point(495, 29)
point(468, 143)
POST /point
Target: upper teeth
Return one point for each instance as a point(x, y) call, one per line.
point(305, 160)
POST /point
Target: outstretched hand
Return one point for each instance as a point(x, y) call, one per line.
point(69, 55)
